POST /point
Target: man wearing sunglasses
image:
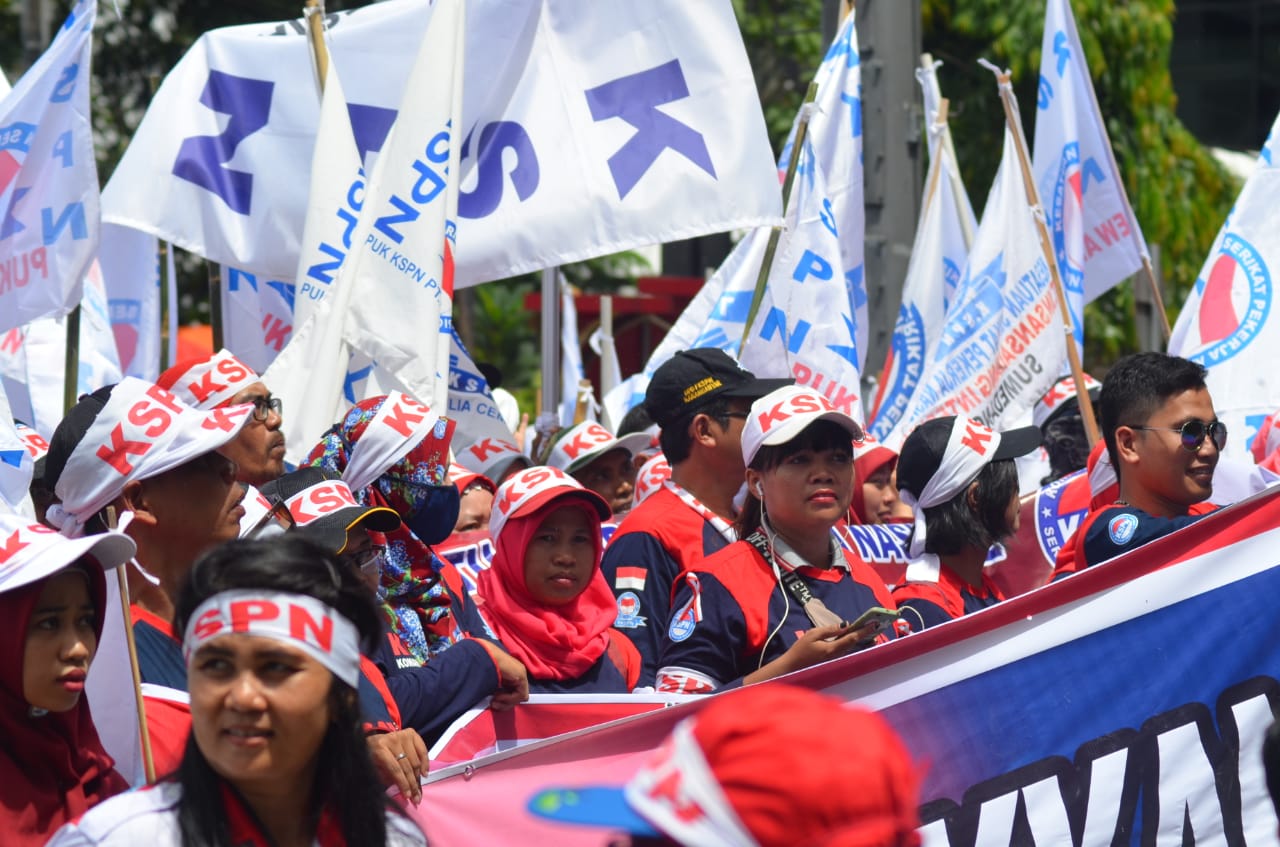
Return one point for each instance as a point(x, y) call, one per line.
point(1164, 440)
point(223, 380)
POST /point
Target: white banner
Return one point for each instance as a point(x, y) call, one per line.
point(1229, 323)
point(392, 298)
point(801, 330)
point(48, 179)
point(589, 127)
point(1095, 234)
point(130, 263)
point(1002, 345)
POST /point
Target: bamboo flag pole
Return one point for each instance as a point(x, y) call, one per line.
point(930, 192)
point(797, 149)
point(928, 66)
point(314, 12)
point(1046, 246)
point(148, 760)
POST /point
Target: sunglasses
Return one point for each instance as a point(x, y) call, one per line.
point(1194, 432)
point(277, 519)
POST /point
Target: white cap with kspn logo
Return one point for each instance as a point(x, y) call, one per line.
point(781, 415)
point(578, 445)
point(29, 552)
point(528, 490)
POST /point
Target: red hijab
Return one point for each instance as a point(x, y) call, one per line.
point(53, 768)
point(553, 642)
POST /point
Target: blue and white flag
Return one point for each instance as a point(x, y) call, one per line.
point(802, 330)
point(589, 127)
point(571, 370)
point(1095, 235)
point(933, 272)
point(16, 465)
point(1002, 345)
point(392, 300)
point(130, 263)
point(1231, 320)
point(33, 359)
point(257, 316)
point(48, 180)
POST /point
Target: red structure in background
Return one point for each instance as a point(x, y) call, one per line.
point(640, 322)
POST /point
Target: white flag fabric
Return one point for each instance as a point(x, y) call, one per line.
point(16, 464)
point(1231, 320)
point(590, 127)
point(130, 265)
point(932, 95)
point(257, 316)
point(933, 272)
point(819, 339)
point(333, 203)
point(1002, 345)
point(1095, 235)
point(48, 179)
point(471, 402)
point(392, 299)
point(33, 359)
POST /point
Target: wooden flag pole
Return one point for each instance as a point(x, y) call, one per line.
point(797, 150)
point(148, 760)
point(162, 253)
point(215, 303)
point(1046, 246)
point(930, 191)
point(1150, 274)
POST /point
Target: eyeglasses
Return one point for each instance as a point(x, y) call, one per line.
point(368, 560)
point(1193, 433)
point(264, 406)
point(277, 519)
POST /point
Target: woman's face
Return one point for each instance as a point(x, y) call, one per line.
point(561, 556)
point(259, 710)
point(808, 491)
point(60, 643)
point(878, 495)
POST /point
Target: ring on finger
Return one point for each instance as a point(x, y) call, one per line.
point(402, 756)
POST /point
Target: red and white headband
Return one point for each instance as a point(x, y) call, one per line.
point(297, 620)
point(214, 382)
point(400, 425)
point(969, 448)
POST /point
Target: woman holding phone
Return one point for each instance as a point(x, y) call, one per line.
point(781, 598)
point(273, 631)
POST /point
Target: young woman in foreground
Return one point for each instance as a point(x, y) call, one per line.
point(273, 635)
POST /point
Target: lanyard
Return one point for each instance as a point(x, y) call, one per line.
point(722, 526)
point(817, 611)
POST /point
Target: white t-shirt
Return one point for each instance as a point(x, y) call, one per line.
point(150, 816)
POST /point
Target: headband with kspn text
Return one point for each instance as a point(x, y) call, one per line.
point(142, 432)
point(214, 382)
point(297, 620)
point(400, 425)
point(969, 448)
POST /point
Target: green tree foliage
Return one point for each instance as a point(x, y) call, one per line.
point(1179, 192)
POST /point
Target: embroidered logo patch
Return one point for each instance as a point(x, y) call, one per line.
point(1122, 527)
point(629, 616)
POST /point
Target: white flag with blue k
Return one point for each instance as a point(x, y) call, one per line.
point(1095, 234)
point(48, 180)
point(803, 329)
point(1231, 321)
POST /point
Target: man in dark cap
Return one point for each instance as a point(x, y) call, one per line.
point(700, 399)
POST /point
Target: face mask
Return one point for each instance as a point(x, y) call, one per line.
point(433, 510)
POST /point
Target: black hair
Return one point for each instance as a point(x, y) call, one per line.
point(955, 525)
point(1065, 441)
point(675, 440)
point(1137, 386)
point(636, 420)
point(817, 436)
point(346, 782)
point(1271, 763)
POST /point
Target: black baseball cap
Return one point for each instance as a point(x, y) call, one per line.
point(324, 507)
point(923, 451)
point(688, 382)
point(71, 430)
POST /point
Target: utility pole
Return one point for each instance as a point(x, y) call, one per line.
point(889, 42)
point(34, 23)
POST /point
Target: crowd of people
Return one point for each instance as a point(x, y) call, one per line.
point(301, 644)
